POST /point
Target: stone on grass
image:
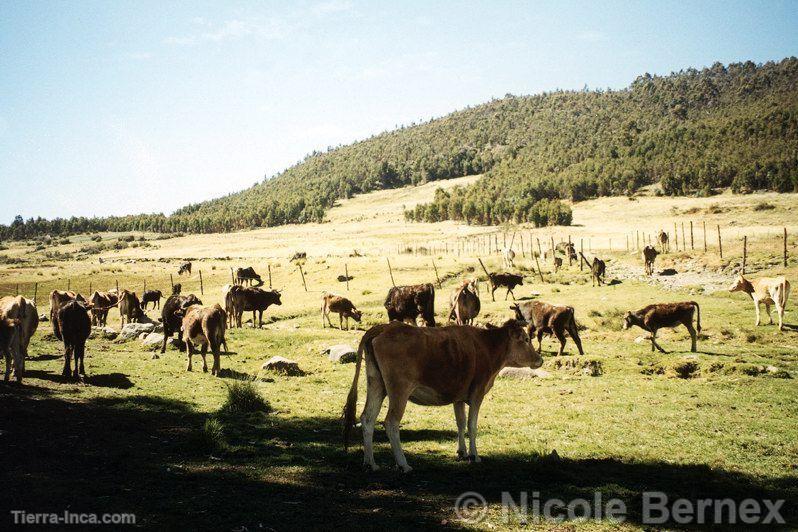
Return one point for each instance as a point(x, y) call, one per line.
point(134, 330)
point(106, 333)
point(341, 353)
point(153, 339)
point(524, 373)
point(283, 366)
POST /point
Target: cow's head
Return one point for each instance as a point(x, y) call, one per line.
point(520, 353)
point(629, 320)
point(740, 284)
point(356, 314)
point(189, 300)
point(176, 289)
point(275, 299)
point(518, 314)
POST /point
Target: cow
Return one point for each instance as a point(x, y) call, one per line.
point(176, 289)
point(431, 367)
point(507, 280)
point(665, 315)
point(248, 298)
point(767, 290)
point(205, 326)
point(597, 269)
point(557, 264)
point(75, 326)
point(185, 267)
point(567, 249)
point(247, 275)
point(649, 254)
point(508, 256)
point(22, 316)
point(58, 298)
point(407, 303)
point(664, 241)
point(101, 303)
point(299, 256)
point(340, 305)
point(464, 304)
point(129, 307)
point(151, 296)
point(172, 315)
point(543, 318)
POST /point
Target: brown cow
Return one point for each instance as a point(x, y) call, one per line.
point(340, 305)
point(407, 303)
point(246, 298)
point(544, 318)
point(507, 280)
point(464, 303)
point(247, 276)
point(664, 242)
point(172, 315)
point(767, 290)
point(75, 326)
point(129, 307)
point(205, 326)
point(649, 254)
point(557, 264)
point(566, 248)
point(151, 296)
point(665, 315)
point(17, 309)
point(101, 303)
point(58, 298)
point(432, 367)
point(597, 269)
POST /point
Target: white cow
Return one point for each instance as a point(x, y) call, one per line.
point(767, 290)
point(508, 256)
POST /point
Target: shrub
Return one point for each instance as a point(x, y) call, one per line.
point(244, 396)
point(764, 206)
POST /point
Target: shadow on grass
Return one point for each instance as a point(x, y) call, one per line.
point(149, 456)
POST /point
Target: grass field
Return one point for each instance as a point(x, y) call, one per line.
point(143, 436)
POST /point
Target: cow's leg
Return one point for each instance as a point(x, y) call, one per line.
point(756, 306)
point(67, 371)
point(217, 366)
point(654, 342)
point(397, 402)
point(375, 395)
point(574, 332)
point(493, 291)
point(693, 336)
point(460, 417)
point(203, 354)
point(561, 337)
point(7, 356)
point(767, 310)
point(780, 311)
point(473, 415)
point(540, 341)
point(189, 353)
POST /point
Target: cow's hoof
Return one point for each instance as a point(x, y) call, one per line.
point(462, 455)
point(371, 467)
point(406, 468)
point(474, 459)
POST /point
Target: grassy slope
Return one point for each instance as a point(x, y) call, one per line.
point(132, 439)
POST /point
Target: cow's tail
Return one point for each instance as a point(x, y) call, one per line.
point(698, 315)
point(348, 416)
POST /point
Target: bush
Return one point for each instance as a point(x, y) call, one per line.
point(244, 396)
point(764, 206)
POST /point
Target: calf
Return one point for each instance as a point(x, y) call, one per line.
point(508, 257)
point(184, 268)
point(665, 315)
point(664, 243)
point(767, 290)
point(129, 307)
point(649, 254)
point(101, 303)
point(247, 276)
point(407, 303)
point(557, 264)
point(543, 318)
point(172, 315)
point(507, 280)
point(597, 269)
point(75, 325)
point(205, 326)
point(22, 312)
point(464, 303)
point(151, 296)
point(342, 306)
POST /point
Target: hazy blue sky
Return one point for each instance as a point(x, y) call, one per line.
point(115, 107)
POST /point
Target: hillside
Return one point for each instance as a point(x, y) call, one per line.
point(692, 131)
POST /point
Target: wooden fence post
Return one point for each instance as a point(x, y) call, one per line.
point(36, 291)
point(269, 266)
point(171, 281)
point(785, 247)
point(390, 270)
point(552, 248)
point(117, 285)
point(233, 277)
point(676, 236)
point(745, 252)
point(540, 272)
point(90, 290)
point(436, 274)
point(69, 284)
point(346, 274)
point(705, 236)
point(581, 250)
point(144, 290)
point(202, 290)
point(569, 247)
point(540, 251)
point(692, 246)
point(627, 243)
point(720, 243)
point(16, 291)
point(684, 240)
point(302, 273)
point(637, 240)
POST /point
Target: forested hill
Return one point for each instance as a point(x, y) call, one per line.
point(692, 131)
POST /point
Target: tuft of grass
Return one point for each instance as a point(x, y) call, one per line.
point(685, 369)
point(212, 437)
point(244, 397)
point(763, 206)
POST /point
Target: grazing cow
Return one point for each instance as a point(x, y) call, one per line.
point(566, 248)
point(649, 254)
point(58, 298)
point(172, 315)
point(101, 303)
point(597, 269)
point(464, 304)
point(299, 256)
point(129, 307)
point(557, 264)
point(508, 256)
point(407, 303)
point(664, 242)
point(767, 290)
point(21, 312)
point(75, 325)
point(662, 315)
point(151, 296)
point(248, 298)
point(247, 275)
point(507, 280)
point(432, 367)
point(185, 267)
point(544, 318)
point(205, 326)
point(342, 306)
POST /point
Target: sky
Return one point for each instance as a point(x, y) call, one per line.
point(111, 108)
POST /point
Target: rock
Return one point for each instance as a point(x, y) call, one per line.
point(283, 366)
point(524, 373)
point(158, 328)
point(106, 333)
point(153, 339)
point(133, 330)
point(668, 271)
point(640, 339)
point(341, 354)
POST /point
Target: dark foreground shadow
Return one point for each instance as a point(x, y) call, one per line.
point(166, 463)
